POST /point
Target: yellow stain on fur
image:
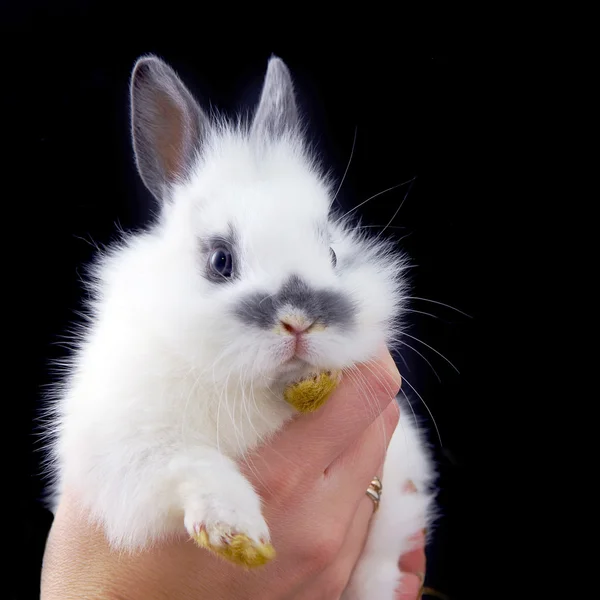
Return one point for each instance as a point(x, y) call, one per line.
point(310, 394)
point(238, 549)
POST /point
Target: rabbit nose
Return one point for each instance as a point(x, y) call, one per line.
point(296, 324)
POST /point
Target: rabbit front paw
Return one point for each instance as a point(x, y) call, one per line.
point(231, 530)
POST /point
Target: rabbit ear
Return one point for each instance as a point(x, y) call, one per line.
point(277, 113)
point(167, 125)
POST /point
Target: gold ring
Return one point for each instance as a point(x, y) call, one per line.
point(374, 492)
point(376, 483)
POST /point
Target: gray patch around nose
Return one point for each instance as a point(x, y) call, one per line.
point(323, 306)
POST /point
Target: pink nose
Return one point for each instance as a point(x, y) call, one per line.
point(295, 326)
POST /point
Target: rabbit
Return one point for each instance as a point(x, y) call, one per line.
point(192, 316)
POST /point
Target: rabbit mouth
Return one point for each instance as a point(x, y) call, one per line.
point(293, 368)
point(295, 362)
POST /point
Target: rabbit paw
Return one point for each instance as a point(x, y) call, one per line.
point(310, 394)
point(229, 531)
point(236, 547)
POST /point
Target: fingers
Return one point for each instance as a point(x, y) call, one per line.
point(414, 560)
point(320, 437)
point(337, 576)
point(344, 484)
point(410, 588)
point(361, 459)
point(413, 565)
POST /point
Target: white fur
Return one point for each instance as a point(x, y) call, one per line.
point(166, 388)
point(400, 516)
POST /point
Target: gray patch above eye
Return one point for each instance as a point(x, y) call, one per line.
point(229, 238)
point(325, 306)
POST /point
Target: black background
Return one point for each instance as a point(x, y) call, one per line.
point(422, 105)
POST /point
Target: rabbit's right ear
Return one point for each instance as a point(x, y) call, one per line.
point(167, 125)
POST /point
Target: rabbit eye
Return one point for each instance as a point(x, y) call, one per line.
point(333, 257)
point(221, 263)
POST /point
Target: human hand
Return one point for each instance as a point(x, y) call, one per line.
point(312, 478)
point(413, 566)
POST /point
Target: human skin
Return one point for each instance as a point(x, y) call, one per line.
point(312, 477)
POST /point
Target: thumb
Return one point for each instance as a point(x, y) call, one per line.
point(410, 588)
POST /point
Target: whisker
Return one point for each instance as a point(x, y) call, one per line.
point(411, 408)
point(356, 376)
point(187, 402)
point(347, 166)
point(404, 361)
point(266, 298)
point(423, 357)
point(372, 198)
point(441, 304)
point(231, 414)
point(380, 370)
point(432, 349)
point(259, 476)
point(399, 207)
point(246, 458)
point(239, 396)
point(427, 407)
point(414, 419)
point(374, 226)
point(360, 380)
point(419, 312)
point(223, 391)
point(377, 365)
point(90, 242)
point(222, 400)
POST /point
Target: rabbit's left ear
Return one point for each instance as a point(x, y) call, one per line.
point(168, 125)
point(277, 113)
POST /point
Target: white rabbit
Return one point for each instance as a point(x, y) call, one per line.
point(193, 317)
